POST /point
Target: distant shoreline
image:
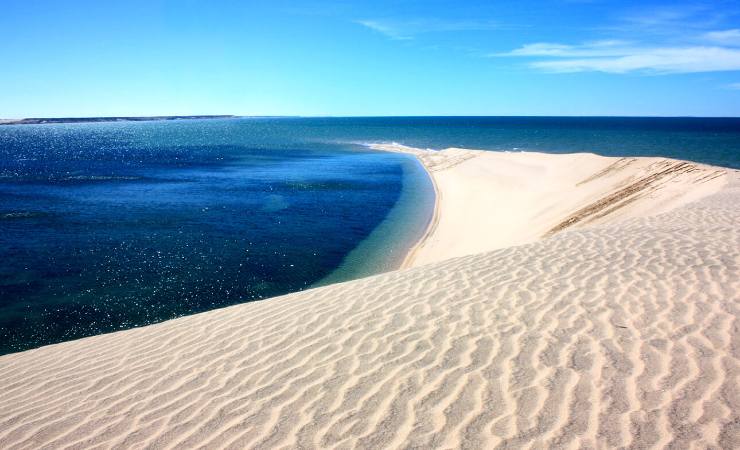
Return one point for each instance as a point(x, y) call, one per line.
point(43, 120)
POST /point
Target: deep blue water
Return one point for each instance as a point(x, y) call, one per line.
point(113, 225)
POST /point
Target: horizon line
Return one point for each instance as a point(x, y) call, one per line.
point(107, 118)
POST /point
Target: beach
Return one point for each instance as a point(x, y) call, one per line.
point(555, 301)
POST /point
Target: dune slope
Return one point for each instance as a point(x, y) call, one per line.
point(624, 334)
point(490, 200)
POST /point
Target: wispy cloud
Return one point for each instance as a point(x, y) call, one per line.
point(681, 38)
point(408, 29)
point(734, 86)
point(390, 31)
point(725, 37)
point(673, 19)
point(623, 57)
point(595, 48)
point(657, 60)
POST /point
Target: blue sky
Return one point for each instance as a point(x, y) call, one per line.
point(566, 57)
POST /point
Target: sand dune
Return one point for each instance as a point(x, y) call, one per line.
point(621, 334)
point(491, 200)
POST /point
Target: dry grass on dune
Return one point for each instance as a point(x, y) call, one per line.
point(611, 336)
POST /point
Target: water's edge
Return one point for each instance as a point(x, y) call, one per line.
point(388, 245)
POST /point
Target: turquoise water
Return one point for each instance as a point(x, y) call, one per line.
point(108, 226)
point(387, 245)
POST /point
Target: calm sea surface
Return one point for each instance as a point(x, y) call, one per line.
point(113, 225)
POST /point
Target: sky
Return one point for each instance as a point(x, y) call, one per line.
point(369, 58)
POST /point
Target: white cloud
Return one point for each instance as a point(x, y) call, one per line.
point(669, 16)
point(734, 86)
point(620, 57)
point(387, 29)
point(673, 19)
point(407, 29)
point(726, 37)
point(596, 48)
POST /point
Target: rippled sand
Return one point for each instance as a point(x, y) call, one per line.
point(609, 335)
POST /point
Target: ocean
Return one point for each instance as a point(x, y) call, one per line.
point(108, 226)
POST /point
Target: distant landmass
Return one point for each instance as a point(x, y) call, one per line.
point(38, 120)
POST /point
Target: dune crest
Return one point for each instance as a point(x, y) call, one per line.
point(622, 334)
point(490, 200)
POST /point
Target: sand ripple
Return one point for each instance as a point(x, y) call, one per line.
point(624, 335)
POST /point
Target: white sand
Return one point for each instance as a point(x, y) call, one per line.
point(622, 334)
point(491, 200)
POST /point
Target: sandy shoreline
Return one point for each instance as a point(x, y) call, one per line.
point(408, 260)
point(602, 313)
